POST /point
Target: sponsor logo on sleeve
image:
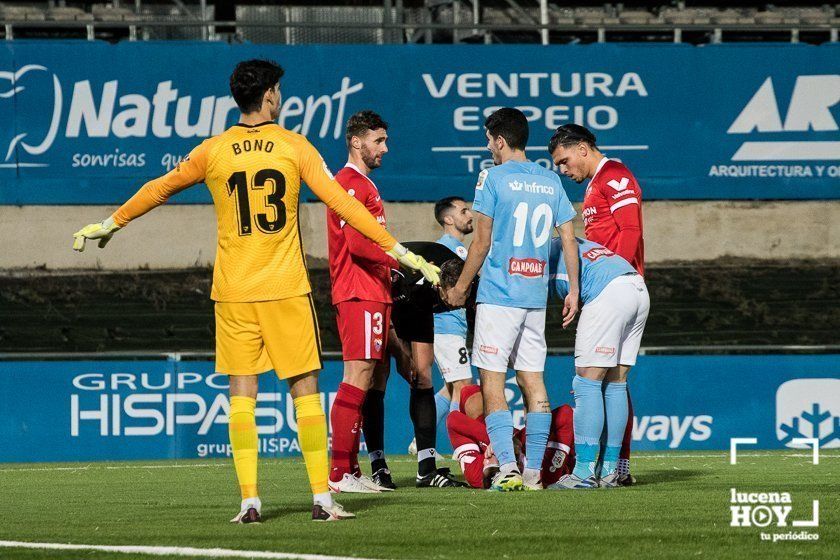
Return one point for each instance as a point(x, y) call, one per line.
point(482, 177)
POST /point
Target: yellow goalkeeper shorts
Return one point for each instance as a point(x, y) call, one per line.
point(252, 338)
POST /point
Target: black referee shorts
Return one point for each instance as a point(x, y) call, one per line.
point(413, 323)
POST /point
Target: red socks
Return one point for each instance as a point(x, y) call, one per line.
point(346, 422)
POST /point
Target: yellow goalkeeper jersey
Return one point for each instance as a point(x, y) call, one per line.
point(254, 174)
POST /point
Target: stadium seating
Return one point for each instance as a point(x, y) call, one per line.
point(301, 24)
point(68, 14)
point(105, 12)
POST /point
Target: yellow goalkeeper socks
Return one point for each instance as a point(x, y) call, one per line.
point(243, 439)
point(312, 434)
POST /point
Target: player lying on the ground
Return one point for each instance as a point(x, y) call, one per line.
point(609, 332)
point(468, 434)
point(265, 317)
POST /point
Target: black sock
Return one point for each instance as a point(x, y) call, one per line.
point(424, 417)
point(373, 426)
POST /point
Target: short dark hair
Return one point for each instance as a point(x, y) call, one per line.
point(361, 122)
point(510, 124)
point(444, 204)
point(450, 271)
point(569, 135)
point(250, 80)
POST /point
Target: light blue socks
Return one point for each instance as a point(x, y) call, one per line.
point(617, 411)
point(500, 429)
point(589, 423)
point(537, 427)
point(441, 408)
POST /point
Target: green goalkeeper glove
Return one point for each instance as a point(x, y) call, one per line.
point(102, 231)
point(409, 260)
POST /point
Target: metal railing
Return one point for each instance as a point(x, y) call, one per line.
point(411, 32)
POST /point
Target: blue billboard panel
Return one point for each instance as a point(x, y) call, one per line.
point(106, 410)
point(90, 122)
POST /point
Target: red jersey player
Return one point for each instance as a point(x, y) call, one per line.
point(361, 293)
point(612, 216)
point(469, 438)
point(612, 204)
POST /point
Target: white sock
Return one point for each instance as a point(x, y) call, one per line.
point(249, 503)
point(324, 498)
point(508, 468)
point(531, 475)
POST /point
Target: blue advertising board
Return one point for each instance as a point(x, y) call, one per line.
point(107, 410)
point(87, 122)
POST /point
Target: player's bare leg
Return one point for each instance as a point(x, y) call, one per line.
point(312, 434)
point(538, 425)
point(346, 420)
point(500, 430)
point(242, 427)
point(621, 474)
point(455, 389)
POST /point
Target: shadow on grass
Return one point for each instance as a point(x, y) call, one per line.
point(358, 503)
point(666, 476)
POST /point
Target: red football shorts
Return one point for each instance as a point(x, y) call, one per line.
point(363, 329)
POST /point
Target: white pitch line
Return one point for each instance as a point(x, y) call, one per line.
point(116, 467)
point(175, 551)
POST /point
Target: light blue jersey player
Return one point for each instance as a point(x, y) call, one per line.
point(451, 356)
point(517, 206)
point(609, 332)
point(598, 267)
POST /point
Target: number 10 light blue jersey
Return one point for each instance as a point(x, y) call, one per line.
point(525, 201)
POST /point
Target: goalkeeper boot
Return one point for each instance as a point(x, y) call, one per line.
point(332, 512)
point(507, 482)
point(440, 478)
point(573, 482)
point(249, 512)
point(382, 478)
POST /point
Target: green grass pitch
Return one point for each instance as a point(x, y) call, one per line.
point(679, 509)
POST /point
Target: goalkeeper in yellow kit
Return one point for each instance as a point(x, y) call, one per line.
point(264, 312)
